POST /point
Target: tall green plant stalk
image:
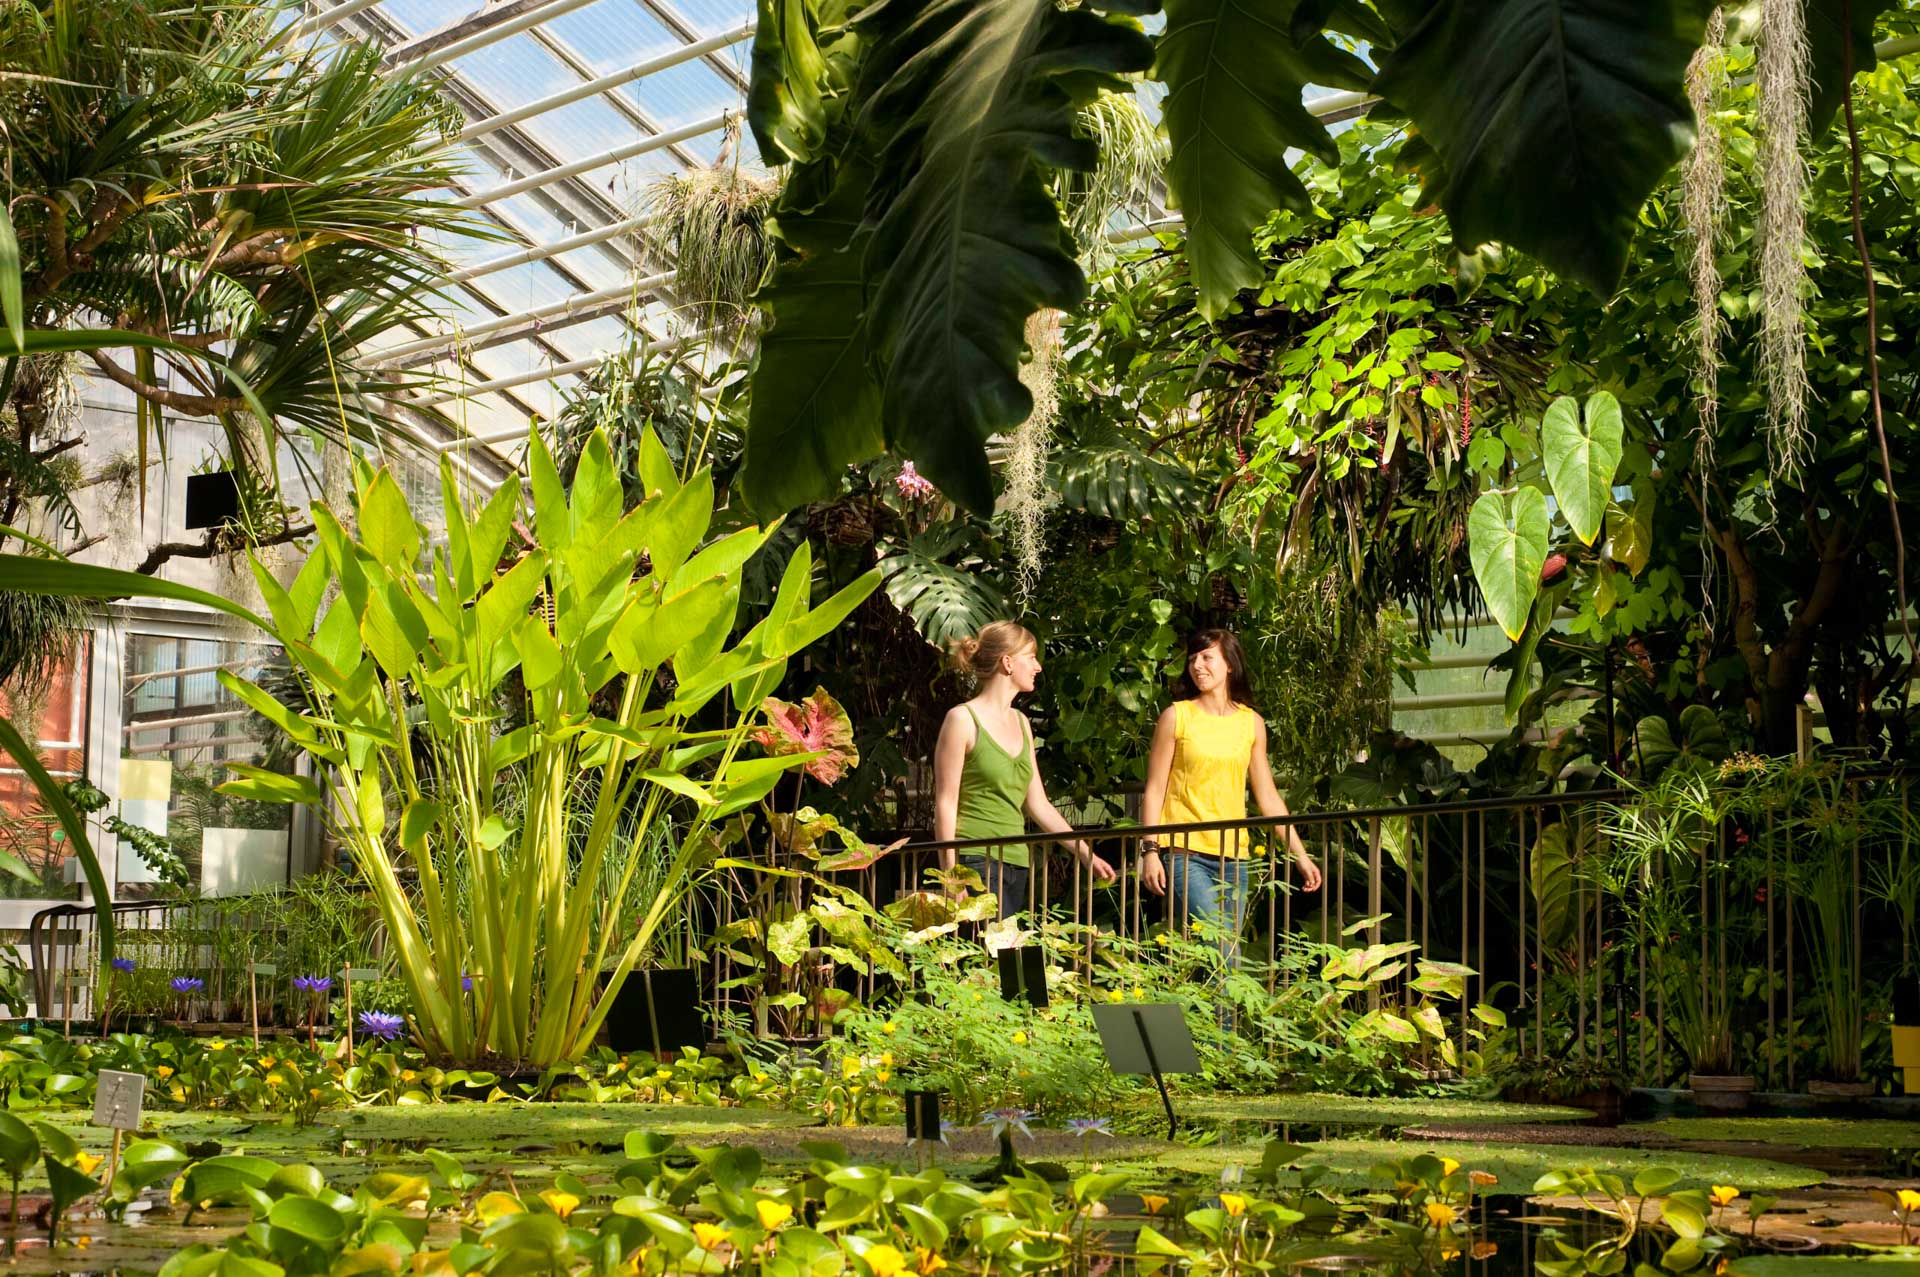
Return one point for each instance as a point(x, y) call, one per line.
point(433, 785)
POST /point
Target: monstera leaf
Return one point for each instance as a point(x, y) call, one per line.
point(1550, 121)
point(1234, 77)
point(1116, 480)
point(967, 240)
point(944, 601)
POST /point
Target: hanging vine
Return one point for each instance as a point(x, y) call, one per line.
point(1704, 205)
point(1782, 75)
point(1027, 494)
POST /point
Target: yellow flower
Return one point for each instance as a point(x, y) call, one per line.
point(772, 1214)
point(880, 1078)
point(1723, 1193)
point(216, 1045)
point(1448, 1166)
point(563, 1204)
point(274, 1079)
point(164, 1072)
point(1234, 1204)
point(930, 1261)
point(710, 1236)
point(1909, 1200)
point(1019, 1039)
point(267, 1061)
point(1439, 1214)
point(618, 1066)
point(888, 1028)
point(850, 1067)
point(1139, 993)
point(1153, 1203)
point(407, 1075)
point(886, 1059)
point(884, 1260)
point(1116, 995)
point(178, 1094)
point(1484, 1179)
point(314, 1092)
point(86, 1162)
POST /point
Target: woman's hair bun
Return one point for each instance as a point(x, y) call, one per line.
point(980, 654)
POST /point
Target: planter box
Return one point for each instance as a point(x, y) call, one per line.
point(1822, 1089)
point(1721, 1092)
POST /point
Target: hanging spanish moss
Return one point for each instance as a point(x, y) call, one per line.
point(714, 224)
point(1782, 90)
point(1132, 154)
point(1028, 495)
point(1704, 205)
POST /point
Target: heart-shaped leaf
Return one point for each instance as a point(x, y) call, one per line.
point(1507, 541)
point(1582, 454)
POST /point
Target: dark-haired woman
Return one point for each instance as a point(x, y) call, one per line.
point(1208, 747)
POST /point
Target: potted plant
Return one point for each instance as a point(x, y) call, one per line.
point(1574, 1081)
point(1894, 881)
point(1831, 816)
point(1662, 861)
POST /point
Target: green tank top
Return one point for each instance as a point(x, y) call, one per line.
point(993, 793)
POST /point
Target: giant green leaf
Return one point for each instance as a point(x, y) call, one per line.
point(1554, 878)
point(1582, 455)
point(802, 53)
point(1507, 541)
point(1234, 78)
point(1550, 121)
point(815, 406)
point(977, 101)
point(1826, 41)
point(54, 798)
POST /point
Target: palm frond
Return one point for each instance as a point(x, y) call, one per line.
point(1132, 153)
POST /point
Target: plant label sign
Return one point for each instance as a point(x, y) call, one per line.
point(117, 1100)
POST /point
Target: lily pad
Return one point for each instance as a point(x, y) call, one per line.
point(1798, 1132)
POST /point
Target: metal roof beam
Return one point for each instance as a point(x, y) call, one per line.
point(614, 156)
point(477, 30)
point(527, 321)
point(603, 84)
point(673, 20)
point(546, 374)
point(542, 252)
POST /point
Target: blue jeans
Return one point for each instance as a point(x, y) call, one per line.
point(1212, 891)
point(1013, 884)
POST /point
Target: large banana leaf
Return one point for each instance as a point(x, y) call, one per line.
point(1234, 78)
point(816, 404)
point(976, 100)
point(1550, 121)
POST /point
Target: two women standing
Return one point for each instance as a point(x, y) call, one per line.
point(1207, 749)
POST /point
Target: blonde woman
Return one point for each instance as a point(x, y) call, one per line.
point(1208, 748)
point(985, 780)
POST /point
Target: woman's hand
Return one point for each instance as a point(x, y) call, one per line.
point(1153, 874)
point(1309, 871)
point(1100, 869)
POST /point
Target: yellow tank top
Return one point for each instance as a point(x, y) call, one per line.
point(1211, 754)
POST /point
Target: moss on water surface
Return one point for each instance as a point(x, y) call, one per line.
point(1368, 1110)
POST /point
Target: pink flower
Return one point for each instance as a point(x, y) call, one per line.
point(912, 486)
point(1554, 566)
point(817, 725)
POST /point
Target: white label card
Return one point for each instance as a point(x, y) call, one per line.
point(117, 1100)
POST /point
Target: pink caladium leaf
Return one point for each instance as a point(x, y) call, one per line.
point(817, 725)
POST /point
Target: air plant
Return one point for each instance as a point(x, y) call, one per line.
point(713, 222)
point(1782, 75)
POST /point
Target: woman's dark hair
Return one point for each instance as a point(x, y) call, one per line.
point(1239, 685)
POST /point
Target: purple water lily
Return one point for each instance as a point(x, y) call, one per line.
point(1085, 1126)
point(466, 983)
point(1007, 1121)
point(123, 965)
point(187, 984)
point(313, 983)
point(378, 1024)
